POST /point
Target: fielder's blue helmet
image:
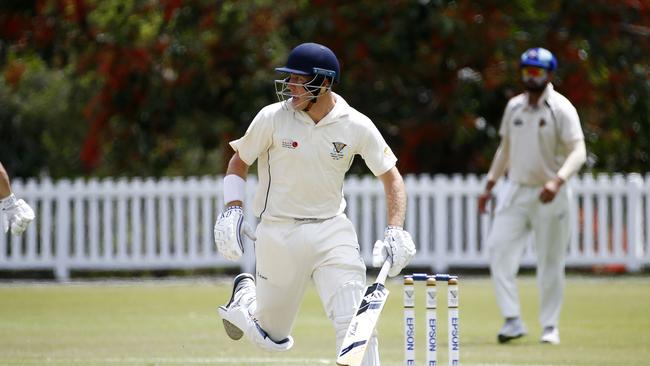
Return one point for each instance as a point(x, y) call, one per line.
point(538, 57)
point(312, 59)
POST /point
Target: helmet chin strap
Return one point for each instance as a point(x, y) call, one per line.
point(311, 103)
point(313, 100)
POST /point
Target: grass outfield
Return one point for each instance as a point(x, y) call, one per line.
point(604, 322)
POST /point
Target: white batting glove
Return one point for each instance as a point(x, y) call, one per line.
point(397, 246)
point(16, 214)
point(228, 232)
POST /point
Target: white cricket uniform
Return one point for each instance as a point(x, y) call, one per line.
point(304, 233)
point(538, 137)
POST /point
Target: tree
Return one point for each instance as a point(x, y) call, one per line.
point(151, 88)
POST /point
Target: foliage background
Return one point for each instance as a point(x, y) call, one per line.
point(158, 87)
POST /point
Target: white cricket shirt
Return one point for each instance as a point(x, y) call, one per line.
point(538, 135)
point(302, 165)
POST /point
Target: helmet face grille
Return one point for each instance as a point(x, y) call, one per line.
point(309, 90)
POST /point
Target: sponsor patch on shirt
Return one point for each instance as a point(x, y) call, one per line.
point(289, 144)
point(337, 153)
point(518, 122)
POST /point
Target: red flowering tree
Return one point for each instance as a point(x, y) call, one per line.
point(152, 88)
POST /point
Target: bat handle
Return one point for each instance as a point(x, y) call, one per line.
point(383, 273)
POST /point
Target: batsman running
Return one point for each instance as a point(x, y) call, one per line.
point(304, 145)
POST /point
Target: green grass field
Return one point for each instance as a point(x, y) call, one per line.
point(604, 322)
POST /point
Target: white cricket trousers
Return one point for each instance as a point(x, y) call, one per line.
point(519, 214)
point(291, 253)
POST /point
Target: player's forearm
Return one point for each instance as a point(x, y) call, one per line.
point(395, 197)
point(574, 161)
point(5, 186)
point(237, 166)
point(499, 163)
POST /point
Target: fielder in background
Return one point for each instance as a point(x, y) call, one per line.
point(542, 146)
point(304, 145)
point(16, 213)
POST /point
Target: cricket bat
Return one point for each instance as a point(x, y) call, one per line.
point(364, 321)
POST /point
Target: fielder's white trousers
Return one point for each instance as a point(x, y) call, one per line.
point(292, 253)
point(520, 213)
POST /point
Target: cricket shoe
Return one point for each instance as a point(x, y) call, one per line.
point(550, 335)
point(235, 313)
point(513, 328)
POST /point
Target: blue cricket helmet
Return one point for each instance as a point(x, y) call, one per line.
point(538, 57)
point(312, 59)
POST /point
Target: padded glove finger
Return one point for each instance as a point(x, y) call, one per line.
point(379, 253)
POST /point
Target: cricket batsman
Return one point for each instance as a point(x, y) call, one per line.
point(304, 145)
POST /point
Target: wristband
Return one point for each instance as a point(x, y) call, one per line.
point(234, 187)
point(8, 201)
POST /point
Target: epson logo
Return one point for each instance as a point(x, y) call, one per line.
point(454, 334)
point(410, 334)
point(432, 335)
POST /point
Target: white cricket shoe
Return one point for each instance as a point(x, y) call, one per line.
point(234, 313)
point(550, 335)
point(513, 328)
point(238, 321)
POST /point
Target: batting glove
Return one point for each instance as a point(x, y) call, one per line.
point(228, 232)
point(16, 214)
point(397, 246)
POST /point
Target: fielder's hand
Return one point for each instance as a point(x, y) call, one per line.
point(483, 200)
point(550, 189)
point(398, 246)
point(16, 214)
point(228, 232)
point(485, 197)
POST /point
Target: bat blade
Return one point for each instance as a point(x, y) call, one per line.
point(364, 322)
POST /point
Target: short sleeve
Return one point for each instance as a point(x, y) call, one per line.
point(504, 129)
point(256, 140)
point(376, 152)
point(571, 129)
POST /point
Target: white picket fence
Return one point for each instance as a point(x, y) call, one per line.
point(134, 224)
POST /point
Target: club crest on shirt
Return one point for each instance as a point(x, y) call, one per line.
point(542, 122)
point(518, 122)
point(337, 153)
point(289, 144)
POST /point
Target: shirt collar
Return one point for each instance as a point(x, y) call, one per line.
point(340, 110)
